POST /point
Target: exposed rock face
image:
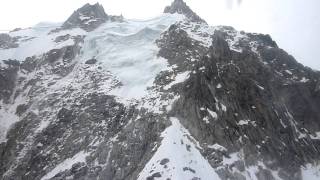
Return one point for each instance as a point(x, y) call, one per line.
point(91, 61)
point(267, 114)
point(7, 42)
point(265, 104)
point(226, 105)
point(180, 7)
point(8, 78)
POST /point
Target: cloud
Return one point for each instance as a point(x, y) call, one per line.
point(231, 3)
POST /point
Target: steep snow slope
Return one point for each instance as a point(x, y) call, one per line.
point(178, 157)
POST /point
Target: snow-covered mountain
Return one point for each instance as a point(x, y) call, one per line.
point(104, 97)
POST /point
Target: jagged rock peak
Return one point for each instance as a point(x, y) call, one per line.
point(89, 17)
point(95, 10)
point(180, 7)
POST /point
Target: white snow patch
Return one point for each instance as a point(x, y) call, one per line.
point(233, 158)
point(304, 80)
point(302, 135)
point(288, 71)
point(8, 113)
point(40, 43)
point(310, 172)
point(199, 32)
point(282, 123)
point(83, 17)
point(206, 119)
point(317, 136)
point(233, 43)
point(66, 164)
point(181, 77)
point(217, 147)
point(243, 122)
point(246, 122)
point(7, 118)
point(181, 150)
point(169, 106)
point(43, 124)
point(223, 107)
point(262, 88)
point(91, 20)
point(213, 114)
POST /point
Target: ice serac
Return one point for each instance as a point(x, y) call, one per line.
point(89, 17)
point(180, 7)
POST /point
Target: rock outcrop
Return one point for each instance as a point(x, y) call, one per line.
point(180, 7)
point(7, 42)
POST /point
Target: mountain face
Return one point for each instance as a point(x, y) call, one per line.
point(103, 97)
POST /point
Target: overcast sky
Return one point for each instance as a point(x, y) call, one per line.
point(294, 24)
